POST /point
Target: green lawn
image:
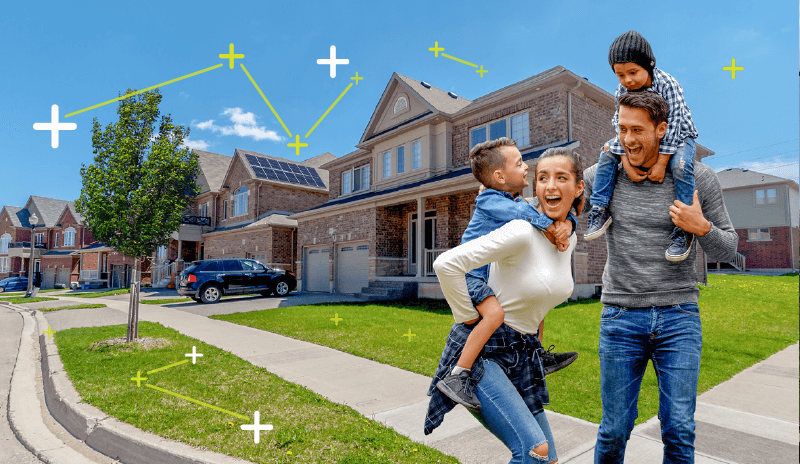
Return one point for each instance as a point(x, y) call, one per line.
point(118, 291)
point(22, 299)
point(40, 291)
point(745, 319)
point(164, 301)
point(78, 306)
point(307, 427)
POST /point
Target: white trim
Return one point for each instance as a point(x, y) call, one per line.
point(486, 126)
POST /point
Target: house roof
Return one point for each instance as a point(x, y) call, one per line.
point(309, 164)
point(50, 209)
point(213, 167)
point(319, 160)
point(437, 98)
point(270, 219)
point(58, 252)
point(526, 156)
point(736, 178)
point(18, 216)
point(538, 78)
point(94, 247)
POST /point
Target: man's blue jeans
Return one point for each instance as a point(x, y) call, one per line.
point(669, 336)
point(507, 416)
point(681, 164)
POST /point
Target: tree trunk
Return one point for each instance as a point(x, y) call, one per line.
point(133, 304)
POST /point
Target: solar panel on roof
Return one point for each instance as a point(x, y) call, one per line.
point(295, 168)
point(252, 160)
point(273, 164)
point(268, 168)
point(270, 174)
point(259, 171)
point(282, 176)
point(292, 178)
point(304, 170)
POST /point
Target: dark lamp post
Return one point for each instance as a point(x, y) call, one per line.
point(33, 220)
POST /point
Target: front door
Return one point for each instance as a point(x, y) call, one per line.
point(429, 236)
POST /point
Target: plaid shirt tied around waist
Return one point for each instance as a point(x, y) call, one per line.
point(518, 354)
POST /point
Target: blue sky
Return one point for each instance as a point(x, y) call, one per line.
point(78, 54)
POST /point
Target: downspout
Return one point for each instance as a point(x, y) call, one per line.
point(569, 109)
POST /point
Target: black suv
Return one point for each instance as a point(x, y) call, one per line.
point(206, 281)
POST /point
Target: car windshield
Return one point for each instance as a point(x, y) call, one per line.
point(191, 268)
point(252, 266)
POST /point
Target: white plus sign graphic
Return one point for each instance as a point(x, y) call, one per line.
point(256, 427)
point(54, 126)
point(194, 355)
point(333, 61)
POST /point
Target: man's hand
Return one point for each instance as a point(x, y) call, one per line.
point(563, 230)
point(690, 217)
point(656, 173)
point(634, 173)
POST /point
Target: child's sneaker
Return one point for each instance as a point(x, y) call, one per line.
point(554, 362)
point(681, 245)
point(457, 388)
point(599, 220)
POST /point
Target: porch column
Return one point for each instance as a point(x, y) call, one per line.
point(179, 261)
point(99, 264)
point(80, 269)
point(420, 236)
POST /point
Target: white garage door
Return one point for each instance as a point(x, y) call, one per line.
point(62, 276)
point(48, 277)
point(352, 267)
point(318, 270)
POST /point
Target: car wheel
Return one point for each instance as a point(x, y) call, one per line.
point(210, 294)
point(281, 288)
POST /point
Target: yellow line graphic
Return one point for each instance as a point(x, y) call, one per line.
point(197, 402)
point(459, 60)
point(265, 99)
point(329, 110)
point(143, 90)
point(167, 367)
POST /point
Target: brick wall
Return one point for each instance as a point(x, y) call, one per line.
point(335, 176)
point(231, 246)
point(282, 250)
point(352, 226)
point(773, 254)
point(280, 198)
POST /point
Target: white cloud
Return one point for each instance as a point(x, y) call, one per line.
point(196, 144)
point(244, 125)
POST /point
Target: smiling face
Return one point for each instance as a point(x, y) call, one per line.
point(513, 177)
point(640, 136)
point(632, 76)
point(556, 186)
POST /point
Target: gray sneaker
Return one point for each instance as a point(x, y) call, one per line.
point(680, 246)
point(458, 389)
point(598, 221)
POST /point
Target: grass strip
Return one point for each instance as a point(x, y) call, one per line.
point(79, 306)
point(40, 291)
point(118, 291)
point(762, 307)
point(164, 301)
point(22, 299)
point(307, 427)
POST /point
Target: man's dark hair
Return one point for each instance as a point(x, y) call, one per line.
point(574, 160)
point(651, 102)
point(485, 157)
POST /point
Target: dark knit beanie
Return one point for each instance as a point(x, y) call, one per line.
point(631, 47)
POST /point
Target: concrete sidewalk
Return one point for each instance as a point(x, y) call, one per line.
point(751, 418)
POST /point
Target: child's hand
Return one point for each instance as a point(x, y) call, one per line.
point(633, 173)
point(563, 230)
point(481, 189)
point(656, 173)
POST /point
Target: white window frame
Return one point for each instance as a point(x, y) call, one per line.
point(224, 209)
point(39, 238)
point(401, 159)
point(766, 199)
point(349, 179)
point(4, 264)
point(347, 182)
point(5, 240)
point(69, 237)
point(758, 235)
point(55, 241)
point(507, 120)
point(204, 210)
point(240, 201)
point(398, 108)
point(416, 154)
point(387, 164)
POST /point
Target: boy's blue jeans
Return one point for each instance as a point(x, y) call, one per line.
point(681, 164)
point(506, 415)
point(672, 338)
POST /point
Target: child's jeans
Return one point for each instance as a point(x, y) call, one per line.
point(681, 164)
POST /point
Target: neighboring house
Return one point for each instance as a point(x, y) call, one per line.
point(242, 210)
point(407, 193)
point(765, 211)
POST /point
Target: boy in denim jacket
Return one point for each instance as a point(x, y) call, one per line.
point(498, 166)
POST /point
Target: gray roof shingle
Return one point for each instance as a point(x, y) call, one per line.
point(736, 177)
point(213, 168)
point(437, 98)
point(50, 209)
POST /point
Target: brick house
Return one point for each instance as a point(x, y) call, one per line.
point(412, 159)
point(765, 212)
point(242, 210)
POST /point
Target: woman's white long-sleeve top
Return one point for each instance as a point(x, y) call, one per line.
point(528, 274)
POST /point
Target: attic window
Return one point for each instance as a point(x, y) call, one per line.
point(452, 95)
point(425, 84)
point(400, 105)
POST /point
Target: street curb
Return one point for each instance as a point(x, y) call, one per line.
point(105, 434)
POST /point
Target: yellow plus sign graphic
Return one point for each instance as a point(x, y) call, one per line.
point(733, 68)
point(49, 332)
point(481, 71)
point(436, 48)
point(356, 78)
point(297, 144)
point(139, 379)
point(336, 319)
point(231, 56)
point(409, 335)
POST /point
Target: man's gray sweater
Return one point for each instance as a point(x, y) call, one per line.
point(637, 274)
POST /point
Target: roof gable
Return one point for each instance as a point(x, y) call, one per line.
point(48, 210)
point(736, 178)
point(213, 168)
point(17, 215)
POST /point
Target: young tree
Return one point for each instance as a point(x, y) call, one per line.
point(134, 195)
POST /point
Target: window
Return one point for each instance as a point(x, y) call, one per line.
point(240, 201)
point(4, 265)
point(400, 105)
point(387, 164)
point(766, 196)
point(69, 237)
point(204, 209)
point(401, 159)
point(161, 254)
point(225, 209)
point(4, 241)
point(516, 126)
point(416, 154)
point(55, 242)
point(39, 238)
point(355, 180)
point(758, 234)
point(105, 263)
